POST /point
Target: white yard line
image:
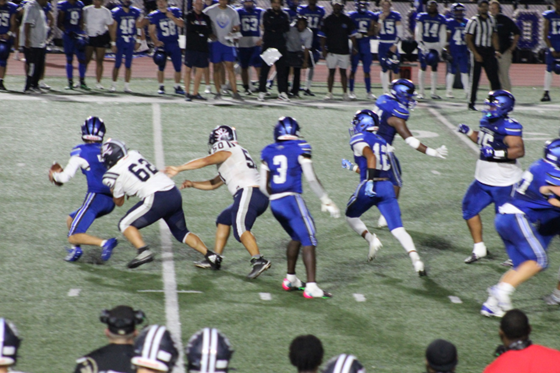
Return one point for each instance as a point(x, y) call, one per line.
point(168, 266)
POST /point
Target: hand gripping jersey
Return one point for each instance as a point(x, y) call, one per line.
point(431, 27)
point(250, 22)
point(456, 28)
point(126, 23)
point(387, 107)
point(72, 15)
point(283, 161)
point(553, 28)
point(363, 23)
point(133, 175)
point(6, 12)
point(494, 172)
point(378, 146)
point(167, 31)
point(239, 170)
point(388, 27)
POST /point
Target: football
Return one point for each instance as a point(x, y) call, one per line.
point(55, 168)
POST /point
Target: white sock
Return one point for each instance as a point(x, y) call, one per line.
point(357, 225)
point(556, 293)
point(311, 287)
point(421, 74)
point(114, 83)
point(547, 80)
point(505, 288)
point(406, 241)
point(310, 72)
point(385, 81)
point(465, 82)
point(208, 86)
point(449, 82)
point(433, 76)
point(103, 242)
point(369, 237)
point(126, 85)
point(480, 249)
point(292, 278)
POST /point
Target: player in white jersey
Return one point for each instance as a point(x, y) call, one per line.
point(129, 174)
point(238, 171)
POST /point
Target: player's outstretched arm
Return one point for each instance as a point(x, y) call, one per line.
point(195, 164)
point(211, 184)
point(60, 175)
point(469, 132)
point(326, 203)
point(350, 166)
point(400, 125)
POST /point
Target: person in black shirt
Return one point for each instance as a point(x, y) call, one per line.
point(336, 30)
point(508, 36)
point(276, 23)
point(199, 29)
point(116, 356)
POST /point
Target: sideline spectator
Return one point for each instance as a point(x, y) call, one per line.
point(250, 17)
point(315, 15)
point(199, 29)
point(441, 357)
point(71, 23)
point(299, 43)
point(306, 353)
point(508, 36)
point(97, 20)
point(8, 26)
point(35, 43)
point(551, 38)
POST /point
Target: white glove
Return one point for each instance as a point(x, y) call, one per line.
point(440, 152)
point(328, 205)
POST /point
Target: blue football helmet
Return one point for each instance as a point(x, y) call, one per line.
point(287, 128)
point(292, 4)
point(556, 67)
point(208, 351)
point(160, 57)
point(112, 151)
point(81, 42)
point(552, 151)
point(93, 129)
point(5, 47)
point(458, 11)
point(9, 343)
point(154, 349)
point(403, 91)
point(344, 364)
point(390, 61)
point(432, 58)
point(498, 104)
point(364, 120)
point(361, 6)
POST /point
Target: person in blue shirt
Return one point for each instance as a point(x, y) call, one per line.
point(98, 201)
point(315, 15)
point(249, 45)
point(389, 32)
point(71, 23)
point(497, 169)
point(551, 38)
point(376, 165)
point(457, 49)
point(394, 110)
point(283, 163)
point(8, 27)
point(365, 21)
point(123, 40)
point(431, 36)
point(292, 9)
point(527, 223)
point(164, 23)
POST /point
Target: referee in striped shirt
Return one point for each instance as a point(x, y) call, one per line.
point(482, 39)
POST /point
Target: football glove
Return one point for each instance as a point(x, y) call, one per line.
point(347, 164)
point(440, 152)
point(327, 205)
point(487, 151)
point(464, 129)
point(369, 189)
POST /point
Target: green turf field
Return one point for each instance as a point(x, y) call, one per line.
point(388, 332)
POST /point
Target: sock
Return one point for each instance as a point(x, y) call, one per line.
point(126, 85)
point(406, 241)
point(177, 85)
point(311, 287)
point(208, 87)
point(368, 84)
point(480, 249)
point(433, 76)
point(310, 72)
point(465, 82)
point(414, 256)
point(505, 288)
point(556, 294)
point(291, 277)
point(351, 84)
point(357, 225)
point(385, 81)
point(82, 70)
point(258, 256)
point(547, 80)
point(82, 80)
point(1, 80)
point(369, 237)
point(421, 74)
point(161, 86)
point(69, 71)
point(246, 87)
point(142, 249)
point(103, 243)
point(449, 82)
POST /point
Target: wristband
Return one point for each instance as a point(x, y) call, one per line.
point(10, 34)
point(500, 154)
point(551, 49)
point(431, 152)
point(355, 168)
point(470, 132)
point(113, 43)
point(370, 173)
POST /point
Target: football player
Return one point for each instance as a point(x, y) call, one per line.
point(9, 345)
point(458, 50)
point(164, 23)
point(71, 22)
point(431, 35)
point(365, 21)
point(497, 169)
point(527, 223)
point(201, 359)
point(292, 9)
point(344, 363)
point(315, 15)
point(238, 171)
point(376, 164)
point(393, 110)
point(98, 201)
point(551, 38)
point(283, 163)
point(130, 174)
point(154, 350)
point(250, 18)
point(8, 27)
point(390, 32)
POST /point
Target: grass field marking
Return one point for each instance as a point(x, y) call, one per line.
point(455, 299)
point(178, 291)
point(436, 172)
point(453, 129)
point(74, 292)
point(168, 266)
point(359, 297)
point(265, 296)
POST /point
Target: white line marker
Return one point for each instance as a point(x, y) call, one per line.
point(455, 299)
point(74, 292)
point(178, 291)
point(21, 164)
point(265, 296)
point(359, 297)
point(168, 267)
point(436, 172)
point(453, 128)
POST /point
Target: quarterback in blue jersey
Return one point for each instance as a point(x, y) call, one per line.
point(389, 32)
point(164, 23)
point(249, 45)
point(283, 163)
point(457, 49)
point(8, 27)
point(431, 35)
point(376, 165)
point(123, 40)
point(71, 22)
point(527, 223)
point(497, 169)
point(98, 201)
point(315, 15)
point(551, 37)
point(365, 21)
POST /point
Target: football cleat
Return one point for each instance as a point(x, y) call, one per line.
point(127, 90)
point(307, 92)
point(352, 96)
point(237, 97)
point(99, 86)
point(490, 310)
point(208, 90)
point(371, 96)
point(188, 97)
point(84, 87)
point(320, 294)
point(435, 97)
point(329, 96)
point(449, 95)
point(382, 222)
point(73, 254)
point(204, 264)
point(44, 85)
point(293, 286)
point(248, 92)
point(420, 96)
point(179, 91)
point(507, 263)
point(475, 257)
point(217, 97)
point(2, 88)
point(144, 257)
point(551, 300)
point(113, 89)
point(545, 97)
point(283, 97)
point(261, 96)
point(214, 260)
point(107, 249)
point(161, 90)
point(198, 97)
point(345, 97)
point(419, 268)
point(259, 266)
point(374, 247)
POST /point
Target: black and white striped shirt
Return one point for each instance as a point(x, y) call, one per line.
point(482, 30)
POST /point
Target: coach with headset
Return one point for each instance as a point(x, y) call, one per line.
point(116, 356)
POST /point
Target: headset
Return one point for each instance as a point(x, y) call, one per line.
point(119, 322)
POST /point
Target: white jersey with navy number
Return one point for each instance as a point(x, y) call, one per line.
point(135, 176)
point(239, 170)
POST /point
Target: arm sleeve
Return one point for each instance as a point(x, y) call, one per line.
point(73, 165)
point(309, 173)
point(442, 36)
point(264, 179)
point(418, 31)
point(399, 32)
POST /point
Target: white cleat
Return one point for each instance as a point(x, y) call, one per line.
point(504, 301)
point(449, 95)
point(352, 96)
point(476, 255)
point(261, 96)
point(381, 223)
point(419, 268)
point(127, 90)
point(208, 90)
point(99, 86)
point(113, 89)
point(329, 96)
point(491, 310)
point(44, 85)
point(371, 96)
point(420, 96)
point(374, 247)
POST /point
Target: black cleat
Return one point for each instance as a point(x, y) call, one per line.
point(545, 97)
point(259, 266)
point(2, 87)
point(307, 92)
point(213, 259)
point(472, 107)
point(198, 97)
point(204, 264)
point(144, 257)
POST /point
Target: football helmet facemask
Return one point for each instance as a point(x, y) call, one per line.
point(112, 151)
point(364, 121)
point(552, 151)
point(221, 133)
point(93, 129)
point(403, 91)
point(287, 128)
point(154, 349)
point(344, 364)
point(208, 351)
point(498, 104)
point(9, 343)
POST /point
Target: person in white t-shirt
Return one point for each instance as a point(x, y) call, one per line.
point(97, 20)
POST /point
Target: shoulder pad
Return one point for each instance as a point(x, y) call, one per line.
point(512, 127)
point(553, 178)
point(305, 147)
point(76, 151)
point(359, 137)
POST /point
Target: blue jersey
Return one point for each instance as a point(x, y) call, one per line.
point(94, 174)
point(388, 27)
point(314, 17)
point(282, 159)
point(387, 107)
point(363, 23)
point(166, 29)
point(292, 12)
point(126, 23)
point(250, 21)
point(553, 27)
point(379, 148)
point(493, 132)
point(72, 15)
point(456, 28)
point(431, 26)
point(6, 12)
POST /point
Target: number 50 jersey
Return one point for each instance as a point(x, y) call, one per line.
point(133, 175)
point(239, 170)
